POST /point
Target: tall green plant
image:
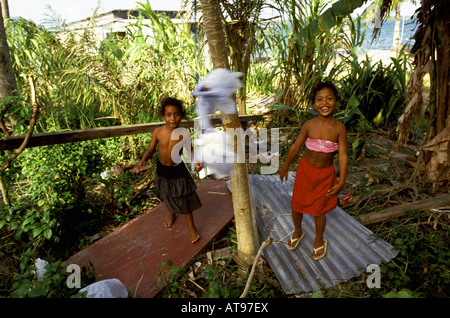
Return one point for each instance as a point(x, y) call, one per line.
point(179, 57)
point(39, 53)
point(241, 21)
point(82, 80)
point(373, 90)
point(303, 59)
point(373, 95)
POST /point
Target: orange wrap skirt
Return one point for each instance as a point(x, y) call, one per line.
point(311, 187)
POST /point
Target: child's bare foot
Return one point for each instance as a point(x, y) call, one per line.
point(194, 233)
point(194, 238)
point(169, 222)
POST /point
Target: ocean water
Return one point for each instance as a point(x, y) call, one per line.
point(386, 38)
point(384, 42)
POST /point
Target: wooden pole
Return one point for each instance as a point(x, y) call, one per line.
point(240, 185)
point(401, 210)
point(62, 137)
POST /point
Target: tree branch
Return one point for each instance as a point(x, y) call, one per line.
point(13, 155)
point(250, 277)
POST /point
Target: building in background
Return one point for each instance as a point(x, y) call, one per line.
point(115, 22)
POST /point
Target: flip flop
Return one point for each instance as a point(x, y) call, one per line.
point(324, 246)
point(295, 241)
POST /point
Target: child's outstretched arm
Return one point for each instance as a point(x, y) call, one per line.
point(343, 162)
point(198, 165)
point(293, 151)
point(150, 151)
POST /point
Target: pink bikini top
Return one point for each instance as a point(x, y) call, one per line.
point(321, 145)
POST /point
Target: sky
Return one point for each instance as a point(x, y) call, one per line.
point(71, 10)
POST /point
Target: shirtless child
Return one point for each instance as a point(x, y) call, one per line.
point(174, 184)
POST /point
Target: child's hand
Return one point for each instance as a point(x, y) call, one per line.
point(198, 166)
point(334, 190)
point(283, 174)
point(140, 166)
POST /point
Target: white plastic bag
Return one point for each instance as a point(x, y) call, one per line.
point(215, 92)
point(214, 150)
point(108, 288)
point(40, 269)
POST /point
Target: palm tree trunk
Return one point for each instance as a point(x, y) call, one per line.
point(8, 86)
point(8, 83)
point(397, 43)
point(215, 33)
point(5, 9)
point(243, 212)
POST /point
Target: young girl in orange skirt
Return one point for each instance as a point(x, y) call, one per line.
point(316, 187)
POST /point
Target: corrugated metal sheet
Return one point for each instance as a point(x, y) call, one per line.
point(351, 246)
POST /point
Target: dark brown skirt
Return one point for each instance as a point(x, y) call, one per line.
point(176, 187)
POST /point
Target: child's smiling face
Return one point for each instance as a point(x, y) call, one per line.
point(325, 102)
point(172, 116)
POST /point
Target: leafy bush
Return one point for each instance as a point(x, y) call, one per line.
point(84, 83)
point(50, 192)
point(421, 267)
point(24, 283)
point(372, 91)
point(423, 261)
